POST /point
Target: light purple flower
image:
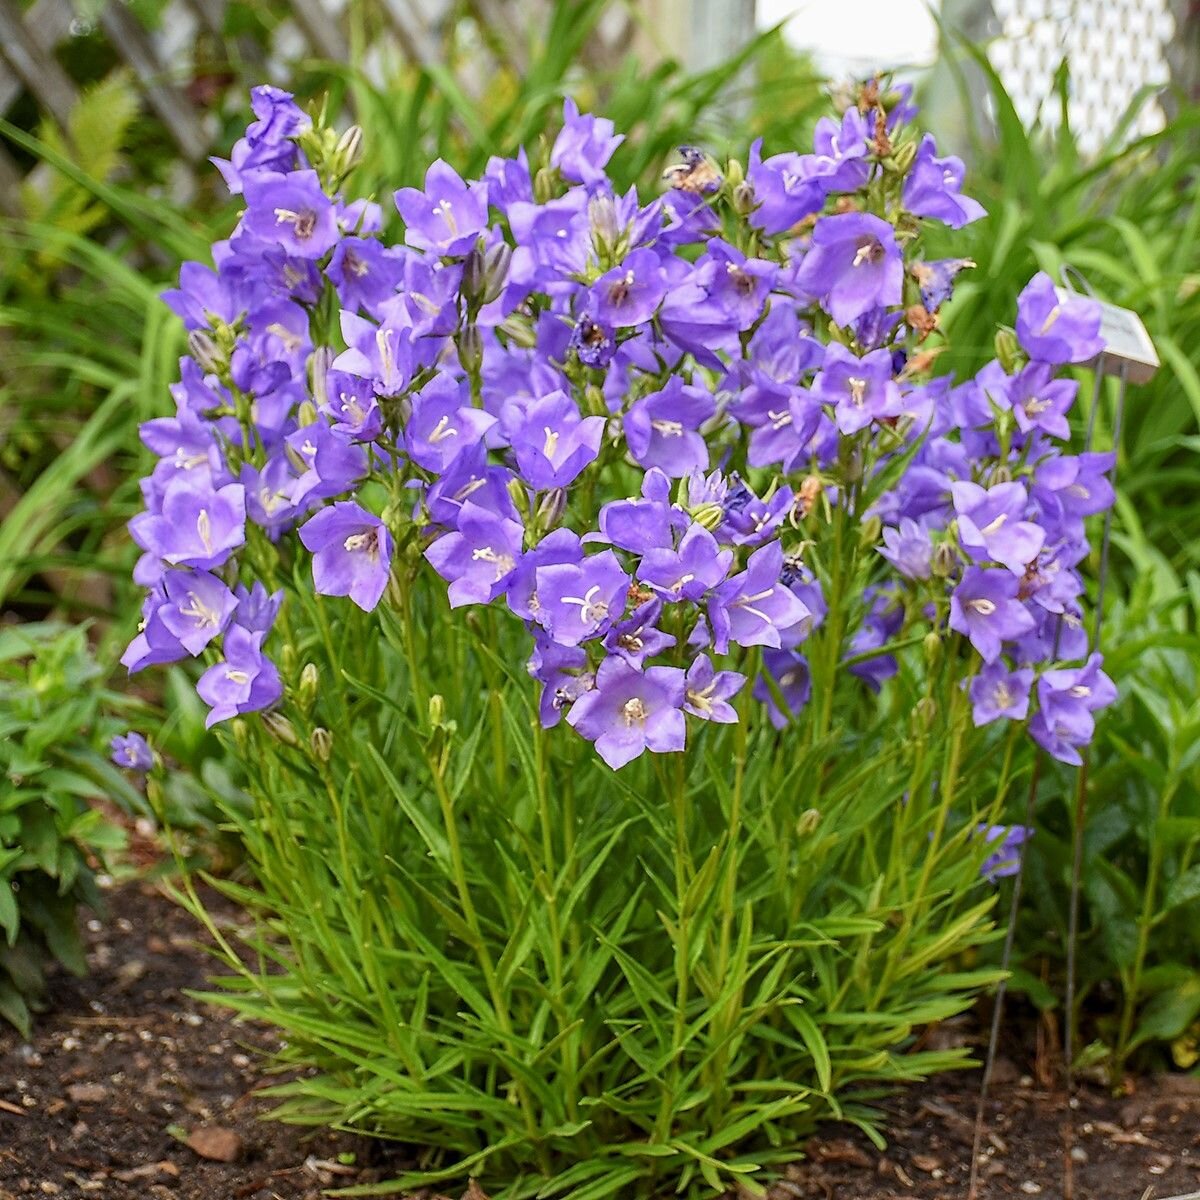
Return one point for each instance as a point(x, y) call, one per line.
point(246, 681)
point(990, 524)
point(198, 527)
point(479, 557)
point(292, 211)
point(352, 553)
point(638, 637)
point(998, 692)
point(984, 608)
point(707, 692)
point(630, 293)
point(908, 548)
point(447, 216)
point(553, 443)
point(751, 608)
point(583, 146)
point(198, 608)
point(630, 711)
point(1057, 331)
point(688, 572)
point(861, 390)
point(443, 425)
point(132, 751)
point(1039, 401)
point(933, 188)
point(578, 601)
point(853, 265)
point(1067, 698)
point(661, 428)
point(1007, 858)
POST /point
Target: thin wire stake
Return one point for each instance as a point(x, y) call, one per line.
point(1081, 783)
point(1018, 880)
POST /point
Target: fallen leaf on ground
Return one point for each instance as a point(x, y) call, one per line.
point(166, 1167)
point(88, 1093)
point(216, 1143)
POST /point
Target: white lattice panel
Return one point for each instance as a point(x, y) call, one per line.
point(1115, 48)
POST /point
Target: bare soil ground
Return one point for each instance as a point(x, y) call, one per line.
point(132, 1091)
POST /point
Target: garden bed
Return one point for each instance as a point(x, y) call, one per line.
point(126, 1067)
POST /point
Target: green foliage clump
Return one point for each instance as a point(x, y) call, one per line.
point(52, 763)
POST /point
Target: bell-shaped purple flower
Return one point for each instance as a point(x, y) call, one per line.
point(447, 216)
point(291, 211)
point(908, 548)
point(661, 428)
point(1006, 859)
point(638, 637)
point(132, 752)
point(751, 608)
point(990, 524)
point(443, 425)
point(198, 608)
point(553, 443)
point(852, 265)
point(861, 390)
point(792, 678)
point(630, 711)
point(352, 553)
point(985, 609)
point(688, 572)
point(933, 188)
point(583, 146)
point(479, 557)
point(998, 692)
point(630, 293)
point(246, 681)
point(578, 601)
point(198, 527)
point(1057, 331)
point(707, 692)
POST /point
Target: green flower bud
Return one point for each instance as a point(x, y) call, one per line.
point(306, 414)
point(709, 515)
point(519, 494)
point(903, 158)
point(931, 647)
point(470, 349)
point(735, 174)
point(321, 743)
point(545, 184)
point(1008, 350)
point(808, 822)
point(923, 715)
point(495, 271)
point(869, 531)
point(944, 561)
point(742, 199)
point(280, 728)
point(310, 679)
point(204, 349)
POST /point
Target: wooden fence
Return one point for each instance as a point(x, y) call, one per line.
point(162, 62)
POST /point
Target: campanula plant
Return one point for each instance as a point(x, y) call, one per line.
point(657, 851)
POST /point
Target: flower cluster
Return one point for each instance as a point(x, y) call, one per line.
point(631, 423)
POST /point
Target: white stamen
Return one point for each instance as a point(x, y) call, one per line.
point(984, 608)
point(633, 710)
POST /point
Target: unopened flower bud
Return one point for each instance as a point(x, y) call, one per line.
point(602, 213)
point(204, 349)
point(708, 515)
point(241, 734)
point(923, 715)
point(287, 659)
point(347, 154)
point(869, 531)
point(281, 729)
point(810, 818)
point(470, 349)
point(306, 413)
point(519, 494)
point(310, 679)
point(495, 270)
point(545, 184)
point(319, 362)
point(473, 272)
point(742, 198)
point(437, 710)
point(903, 157)
point(931, 647)
point(1001, 473)
point(321, 742)
point(550, 510)
point(1008, 349)
point(593, 401)
point(735, 173)
point(944, 560)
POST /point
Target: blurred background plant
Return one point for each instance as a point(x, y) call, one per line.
point(111, 203)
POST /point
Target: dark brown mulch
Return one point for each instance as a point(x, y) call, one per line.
point(125, 1066)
